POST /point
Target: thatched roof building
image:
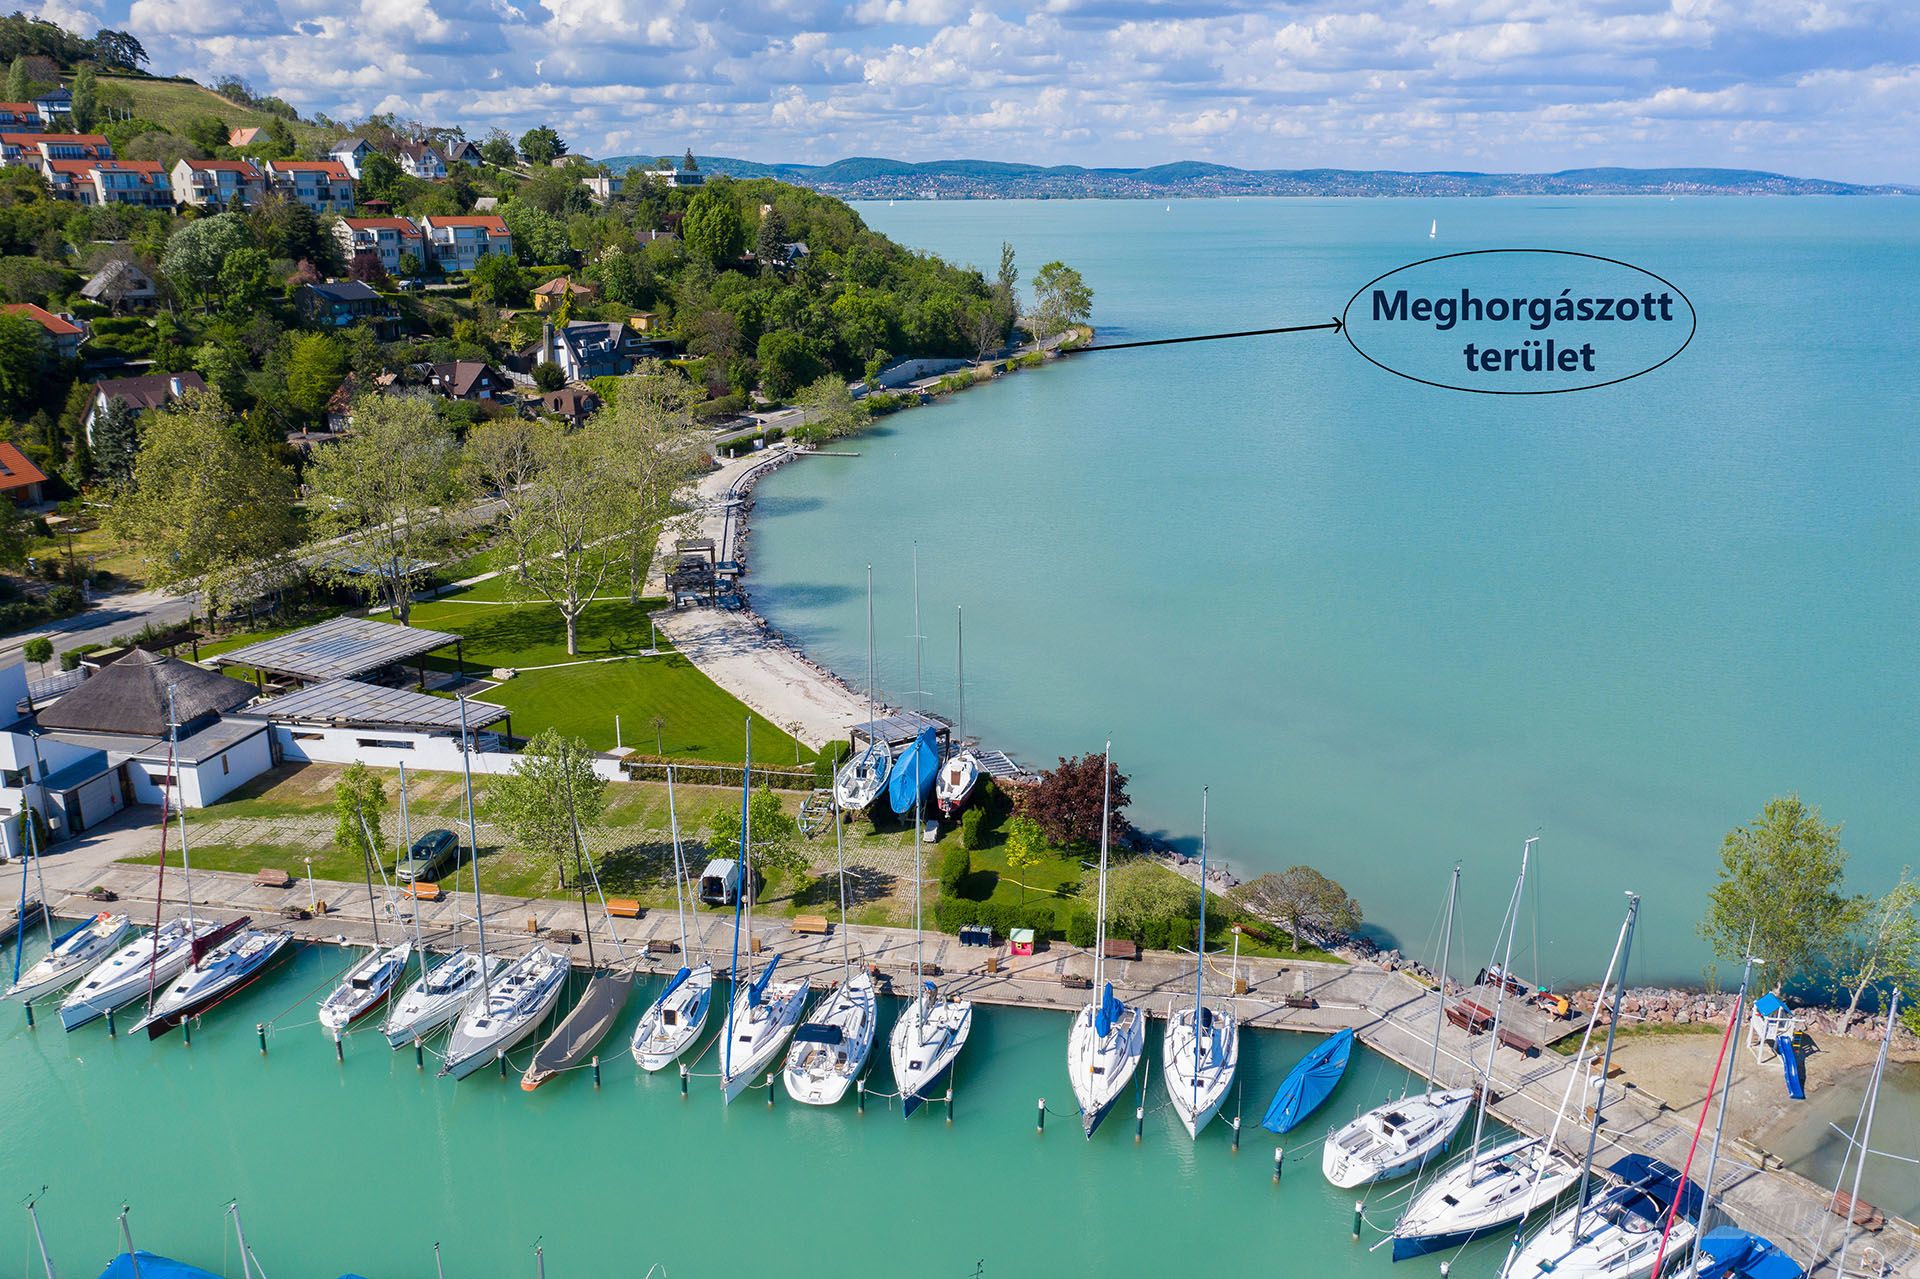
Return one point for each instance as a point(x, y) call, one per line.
point(130, 696)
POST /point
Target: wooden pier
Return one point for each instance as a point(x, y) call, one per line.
point(1392, 1013)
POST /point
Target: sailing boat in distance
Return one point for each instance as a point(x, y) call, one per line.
point(1433, 231)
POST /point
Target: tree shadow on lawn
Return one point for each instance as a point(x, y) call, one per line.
point(643, 864)
point(978, 885)
point(866, 885)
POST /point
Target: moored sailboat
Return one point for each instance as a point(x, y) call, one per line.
point(862, 780)
point(1108, 1037)
point(225, 962)
point(74, 953)
point(831, 1046)
point(509, 1010)
point(438, 995)
point(1399, 1137)
point(763, 1012)
point(1202, 1044)
point(679, 1012)
point(364, 986)
point(961, 772)
point(1310, 1082)
point(123, 977)
point(910, 784)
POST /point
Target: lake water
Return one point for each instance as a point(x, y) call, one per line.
point(1391, 626)
point(362, 1166)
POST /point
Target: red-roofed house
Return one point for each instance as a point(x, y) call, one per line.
point(20, 479)
point(19, 117)
point(457, 243)
point(238, 138)
point(216, 184)
point(385, 238)
point(63, 334)
point(141, 182)
point(32, 148)
point(324, 186)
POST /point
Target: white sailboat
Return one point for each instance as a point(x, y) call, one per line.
point(1108, 1036)
point(1491, 1187)
point(678, 1014)
point(958, 776)
point(73, 954)
point(862, 780)
point(933, 1029)
point(150, 960)
point(35, 909)
point(438, 995)
point(1433, 231)
point(511, 1008)
point(763, 1011)
point(237, 958)
point(1399, 1137)
point(364, 986)
point(831, 1046)
point(1202, 1045)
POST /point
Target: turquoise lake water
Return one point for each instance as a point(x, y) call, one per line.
point(1393, 626)
point(363, 1166)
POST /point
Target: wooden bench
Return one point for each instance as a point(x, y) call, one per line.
point(1073, 981)
point(422, 890)
point(1469, 1016)
point(1511, 1038)
point(1122, 948)
point(271, 878)
point(663, 946)
point(1302, 1001)
point(1859, 1211)
point(811, 925)
point(623, 908)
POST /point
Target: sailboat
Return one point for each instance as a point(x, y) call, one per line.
point(933, 1029)
point(378, 972)
point(1202, 1045)
point(669, 1027)
point(73, 954)
point(1433, 231)
point(961, 773)
point(510, 1007)
point(1310, 1082)
point(910, 785)
point(1399, 1137)
point(154, 958)
point(763, 1012)
point(831, 1046)
point(1612, 1229)
point(863, 779)
point(1490, 1187)
point(1108, 1037)
point(581, 1030)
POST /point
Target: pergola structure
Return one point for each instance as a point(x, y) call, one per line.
point(344, 648)
point(348, 703)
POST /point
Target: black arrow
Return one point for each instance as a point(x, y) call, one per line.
point(1335, 325)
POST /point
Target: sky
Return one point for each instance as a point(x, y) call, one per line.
point(1818, 88)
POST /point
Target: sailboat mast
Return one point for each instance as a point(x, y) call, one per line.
point(580, 873)
point(1200, 953)
point(960, 671)
point(1100, 922)
point(679, 866)
point(40, 873)
point(1606, 1064)
point(1446, 953)
point(840, 861)
point(366, 867)
point(1499, 1000)
point(406, 837)
point(20, 916)
point(1866, 1137)
point(919, 869)
point(39, 1240)
point(1726, 1092)
point(870, 650)
point(739, 903)
point(473, 847)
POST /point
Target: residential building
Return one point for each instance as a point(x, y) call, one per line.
point(602, 189)
point(19, 117)
point(20, 480)
point(678, 177)
point(217, 184)
point(473, 380)
point(342, 303)
point(458, 243)
point(461, 151)
point(64, 333)
point(153, 391)
point(55, 107)
point(237, 138)
point(590, 348)
point(351, 153)
point(30, 149)
point(547, 297)
point(418, 160)
point(324, 186)
point(574, 403)
point(141, 182)
point(121, 284)
point(388, 239)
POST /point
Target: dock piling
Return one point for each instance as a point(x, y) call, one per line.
point(111, 1032)
point(949, 1101)
point(339, 1048)
point(28, 1005)
point(500, 1055)
point(1236, 1134)
point(769, 1090)
point(260, 1027)
point(683, 1079)
point(186, 1029)
point(1279, 1162)
point(1040, 1120)
point(1359, 1211)
point(596, 1070)
point(860, 1094)
point(419, 1054)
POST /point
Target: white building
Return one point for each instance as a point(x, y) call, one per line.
point(324, 186)
point(388, 239)
point(458, 243)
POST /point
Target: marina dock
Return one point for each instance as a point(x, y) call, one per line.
point(1392, 1013)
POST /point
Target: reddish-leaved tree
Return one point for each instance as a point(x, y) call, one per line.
point(1066, 802)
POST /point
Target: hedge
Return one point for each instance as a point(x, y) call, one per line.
point(951, 914)
point(58, 602)
point(955, 866)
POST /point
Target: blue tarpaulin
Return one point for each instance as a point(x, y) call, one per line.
point(758, 990)
point(152, 1267)
point(1309, 1083)
point(1730, 1253)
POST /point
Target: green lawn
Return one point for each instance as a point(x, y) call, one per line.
point(173, 104)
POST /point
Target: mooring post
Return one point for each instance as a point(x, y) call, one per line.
point(683, 1079)
point(29, 1007)
point(1279, 1162)
point(1236, 1134)
point(860, 1094)
point(500, 1055)
point(339, 1048)
point(949, 1101)
point(261, 1027)
point(186, 1028)
point(419, 1054)
point(596, 1070)
point(1040, 1119)
point(770, 1090)
point(1359, 1210)
point(111, 1032)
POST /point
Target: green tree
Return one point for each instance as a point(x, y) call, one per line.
point(204, 509)
point(713, 228)
point(316, 364)
point(652, 446)
point(770, 244)
point(389, 489)
point(1144, 897)
point(497, 279)
point(548, 376)
point(550, 788)
point(1061, 299)
point(246, 280)
point(1883, 950)
point(829, 407)
point(1304, 902)
point(1026, 849)
point(20, 84)
point(116, 441)
point(86, 99)
point(120, 50)
point(776, 836)
point(542, 145)
point(359, 803)
point(39, 651)
point(1780, 881)
point(498, 150)
point(197, 251)
point(23, 361)
point(1066, 802)
point(381, 177)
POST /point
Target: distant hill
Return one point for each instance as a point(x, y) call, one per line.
point(173, 103)
point(875, 178)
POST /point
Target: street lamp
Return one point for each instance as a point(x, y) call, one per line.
point(313, 903)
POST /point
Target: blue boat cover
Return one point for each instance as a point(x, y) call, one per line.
point(914, 770)
point(679, 979)
point(1109, 1012)
point(152, 1267)
point(758, 990)
point(1731, 1253)
point(1309, 1083)
point(1652, 1187)
point(814, 1033)
point(73, 932)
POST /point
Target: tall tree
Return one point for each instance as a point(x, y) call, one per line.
point(86, 99)
point(776, 836)
point(1303, 901)
point(1884, 948)
point(1061, 299)
point(713, 228)
point(23, 361)
point(551, 786)
point(1141, 891)
point(389, 489)
point(196, 252)
point(359, 803)
point(20, 84)
point(1026, 849)
point(205, 510)
point(561, 508)
point(770, 243)
point(120, 50)
point(116, 441)
point(1066, 802)
point(1780, 885)
point(653, 445)
point(542, 145)
point(829, 408)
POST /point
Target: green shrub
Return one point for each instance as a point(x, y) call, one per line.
point(970, 822)
point(828, 763)
point(70, 658)
point(955, 865)
point(1081, 927)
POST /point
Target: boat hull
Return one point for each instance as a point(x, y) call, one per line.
point(853, 1010)
point(1100, 1066)
point(135, 970)
point(757, 1035)
point(862, 780)
point(210, 995)
point(381, 970)
point(420, 1014)
point(89, 946)
point(1364, 1151)
point(657, 1044)
point(520, 1001)
point(927, 1040)
point(1197, 1080)
point(1485, 1196)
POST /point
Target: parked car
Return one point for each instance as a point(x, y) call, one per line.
point(432, 855)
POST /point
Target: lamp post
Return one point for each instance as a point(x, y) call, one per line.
point(313, 903)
